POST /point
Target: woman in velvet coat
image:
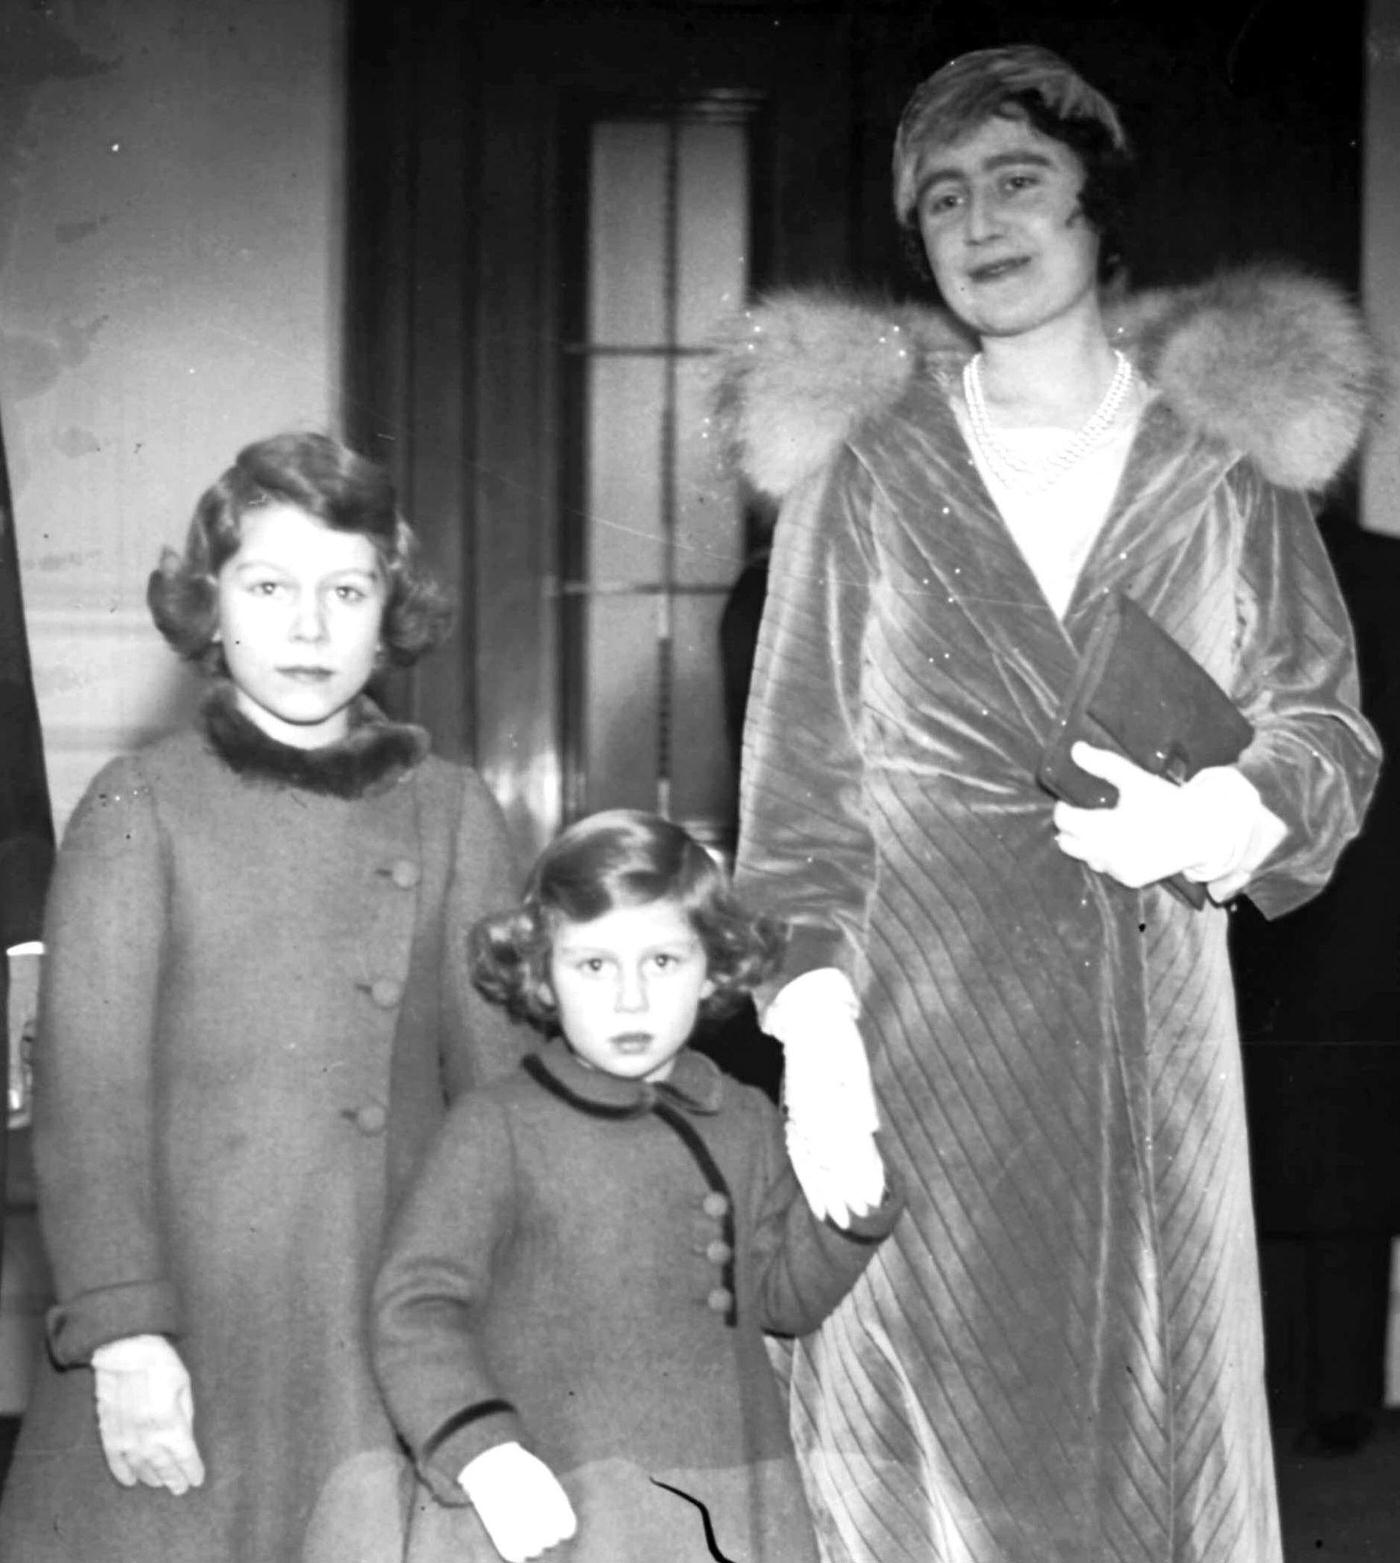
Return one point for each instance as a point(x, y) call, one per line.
point(256, 1008)
point(1058, 1355)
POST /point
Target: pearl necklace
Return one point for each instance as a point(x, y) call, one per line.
point(1029, 477)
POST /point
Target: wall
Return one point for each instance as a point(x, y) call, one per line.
point(170, 288)
point(1380, 255)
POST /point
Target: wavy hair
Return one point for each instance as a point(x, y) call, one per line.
point(617, 858)
point(331, 483)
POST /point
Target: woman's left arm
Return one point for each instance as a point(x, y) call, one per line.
point(1314, 757)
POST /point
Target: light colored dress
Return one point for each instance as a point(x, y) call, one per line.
point(1057, 1358)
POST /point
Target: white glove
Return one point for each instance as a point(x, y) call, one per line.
point(145, 1414)
point(841, 1174)
point(519, 1501)
point(1215, 829)
point(828, 1095)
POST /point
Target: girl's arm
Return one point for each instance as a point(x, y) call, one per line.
point(805, 850)
point(106, 930)
point(802, 1264)
point(435, 1275)
point(1314, 757)
point(480, 1042)
point(463, 1434)
point(94, 1154)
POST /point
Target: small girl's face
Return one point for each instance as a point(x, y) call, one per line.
point(300, 607)
point(628, 987)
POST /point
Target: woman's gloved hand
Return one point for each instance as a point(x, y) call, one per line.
point(519, 1501)
point(828, 1095)
point(1214, 829)
point(145, 1414)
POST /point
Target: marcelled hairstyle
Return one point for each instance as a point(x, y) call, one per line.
point(344, 491)
point(621, 858)
point(1021, 81)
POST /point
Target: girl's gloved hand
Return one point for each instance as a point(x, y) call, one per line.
point(841, 1173)
point(145, 1414)
point(519, 1501)
point(1215, 829)
point(828, 1095)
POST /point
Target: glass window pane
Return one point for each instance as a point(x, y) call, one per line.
point(709, 517)
point(703, 785)
point(624, 497)
point(712, 222)
point(620, 703)
point(627, 218)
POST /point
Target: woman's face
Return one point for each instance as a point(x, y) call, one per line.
point(300, 607)
point(1007, 240)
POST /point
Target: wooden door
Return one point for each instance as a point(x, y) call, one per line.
point(625, 175)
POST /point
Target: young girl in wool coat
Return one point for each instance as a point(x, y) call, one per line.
point(253, 1015)
point(569, 1323)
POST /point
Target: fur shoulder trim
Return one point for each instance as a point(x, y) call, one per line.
point(1273, 363)
point(369, 759)
point(800, 371)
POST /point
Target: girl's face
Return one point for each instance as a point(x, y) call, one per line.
point(628, 987)
point(300, 607)
point(1008, 243)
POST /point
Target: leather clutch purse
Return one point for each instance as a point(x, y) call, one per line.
point(1141, 694)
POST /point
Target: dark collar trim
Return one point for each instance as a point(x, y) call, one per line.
point(372, 756)
point(539, 1072)
point(695, 1085)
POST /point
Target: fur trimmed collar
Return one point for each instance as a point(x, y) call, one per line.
point(368, 759)
point(1273, 363)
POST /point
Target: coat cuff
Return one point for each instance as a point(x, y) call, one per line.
point(78, 1327)
point(444, 1454)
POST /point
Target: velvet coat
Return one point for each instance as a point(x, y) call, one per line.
point(256, 1006)
point(587, 1266)
point(1058, 1357)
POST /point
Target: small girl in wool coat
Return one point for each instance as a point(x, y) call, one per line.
point(256, 1005)
point(569, 1322)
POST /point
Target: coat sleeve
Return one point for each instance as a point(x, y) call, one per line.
point(806, 852)
point(480, 1042)
point(803, 1266)
point(1314, 757)
point(434, 1278)
point(106, 929)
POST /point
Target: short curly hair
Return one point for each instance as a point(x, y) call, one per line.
point(331, 483)
point(622, 857)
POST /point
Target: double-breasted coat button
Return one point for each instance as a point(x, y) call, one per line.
point(386, 992)
point(715, 1205)
point(719, 1252)
point(405, 874)
point(371, 1119)
point(721, 1300)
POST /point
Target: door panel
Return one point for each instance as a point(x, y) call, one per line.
point(655, 168)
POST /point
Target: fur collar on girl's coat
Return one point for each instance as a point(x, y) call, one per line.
point(1275, 363)
point(372, 755)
